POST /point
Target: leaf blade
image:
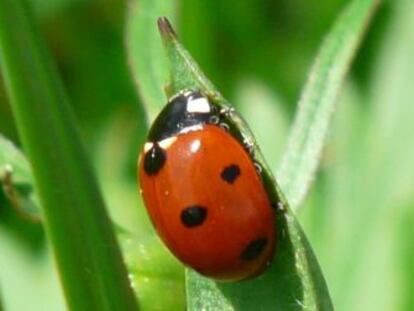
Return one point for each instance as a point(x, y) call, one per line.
point(148, 64)
point(317, 102)
point(88, 257)
point(1, 301)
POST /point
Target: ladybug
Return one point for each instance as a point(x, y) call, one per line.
point(203, 192)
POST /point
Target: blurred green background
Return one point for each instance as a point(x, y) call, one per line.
point(359, 215)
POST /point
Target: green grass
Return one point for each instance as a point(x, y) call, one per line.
point(317, 103)
point(356, 218)
point(88, 257)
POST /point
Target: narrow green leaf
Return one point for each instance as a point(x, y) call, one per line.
point(88, 257)
point(16, 180)
point(145, 51)
point(1, 301)
point(392, 110)
point(151, 274)
point(49, 7)
point(370, 179)
point(336, 196)
point(372, 156)
point(405, 257)
point(318, 99)
point(266, 117)
point(184, 73)
point(294, 279)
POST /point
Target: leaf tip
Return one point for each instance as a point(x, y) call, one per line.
point(165, 28)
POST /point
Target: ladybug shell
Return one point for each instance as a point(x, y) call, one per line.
point(208, 203)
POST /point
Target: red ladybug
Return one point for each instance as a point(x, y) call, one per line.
point(203, 192)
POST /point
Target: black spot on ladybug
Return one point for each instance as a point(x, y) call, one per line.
point(274, 205)
point(230, 173)
point(254, 249)
point(193, 216)
point(154, 159)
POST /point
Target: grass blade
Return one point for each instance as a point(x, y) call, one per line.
point(151, 273)
point(392, 111)
point(1, 302)
point(382, 161)
point(88, 257)
point(145, 52)
point(318, 99)
point(268, 109)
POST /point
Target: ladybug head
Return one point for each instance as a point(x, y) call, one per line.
point(185, 110)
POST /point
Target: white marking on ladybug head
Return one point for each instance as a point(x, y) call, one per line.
point(166, 143)
point(195, 145)
point(148, 146)
point(198, 105)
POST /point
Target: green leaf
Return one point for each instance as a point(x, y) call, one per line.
point(294, 279)
point(266, 117)
point(1, 302)
point(51, 6)
point(16, 180)
point(392, 111)
point(151, 274)
point(405, 257)
point(88, 258)
point(145, 51)
point(389, 181)
point(336, 195)
point(318, 99)
point(370, 179)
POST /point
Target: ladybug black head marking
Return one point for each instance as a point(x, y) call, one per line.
point(187, 109)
